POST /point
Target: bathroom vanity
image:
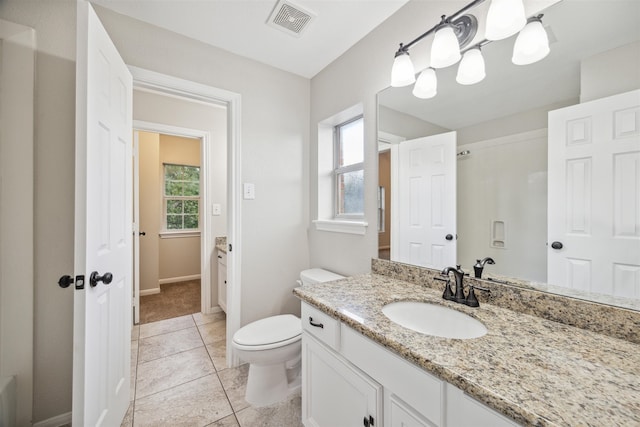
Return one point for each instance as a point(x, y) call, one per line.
point(360, 368)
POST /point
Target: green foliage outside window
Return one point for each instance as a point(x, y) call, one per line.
point(182, 197)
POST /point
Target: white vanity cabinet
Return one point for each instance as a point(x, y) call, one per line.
point(349, 380)
point(222, 280)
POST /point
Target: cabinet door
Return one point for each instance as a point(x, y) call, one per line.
point(399, 414)
point(222, 282)
point(334, 394)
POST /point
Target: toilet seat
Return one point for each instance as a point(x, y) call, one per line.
point(268, 333)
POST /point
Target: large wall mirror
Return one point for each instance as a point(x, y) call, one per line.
point(501, 127)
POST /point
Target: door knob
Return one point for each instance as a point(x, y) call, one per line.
point(142, 233)
point(557, 245)
point(106, 278)
point(448, 237)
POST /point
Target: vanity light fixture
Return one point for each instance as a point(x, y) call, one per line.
point(445, 50)
point(504, 19)
point(427, 84)
point(532, 43)
point(471, 69)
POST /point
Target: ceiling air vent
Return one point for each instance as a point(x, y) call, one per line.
point(290, 18)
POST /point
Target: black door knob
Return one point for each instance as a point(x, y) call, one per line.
point(448, 237)
point(65, 281)
point(142, 233)
point(106, 278)
point(557, 245)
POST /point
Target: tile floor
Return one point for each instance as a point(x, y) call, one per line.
point(179, 377)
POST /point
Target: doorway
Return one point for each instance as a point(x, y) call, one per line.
point(168, 206)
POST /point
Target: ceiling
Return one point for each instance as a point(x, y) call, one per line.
point(239, 26)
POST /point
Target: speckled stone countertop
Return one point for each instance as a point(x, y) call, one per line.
point(535, 371)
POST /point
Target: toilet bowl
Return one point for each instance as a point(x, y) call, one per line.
point(272, 347)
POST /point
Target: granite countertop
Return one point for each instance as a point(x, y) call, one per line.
point(535, 371)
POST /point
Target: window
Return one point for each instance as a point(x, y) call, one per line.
point(349, 169)
point(181, 197)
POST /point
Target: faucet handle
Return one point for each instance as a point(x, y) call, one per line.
point(471, 300)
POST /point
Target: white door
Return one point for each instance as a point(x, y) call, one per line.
point(102, 310)
point(594, 196)
point(426, 202)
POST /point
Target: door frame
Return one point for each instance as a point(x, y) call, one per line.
point(206, 237)
point(173, 86)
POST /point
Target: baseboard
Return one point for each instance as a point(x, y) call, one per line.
point(57, 421)
point(178, 279)
point(151, 291)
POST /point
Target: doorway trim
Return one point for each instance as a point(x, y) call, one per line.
point(206, 236)
point(173, 86)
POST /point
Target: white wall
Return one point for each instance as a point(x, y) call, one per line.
point(354, 78)
point(611, 72)
point(17, 68)
point(275, 128)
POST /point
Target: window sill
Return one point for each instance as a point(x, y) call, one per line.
point(179, 234)
point(341, 226)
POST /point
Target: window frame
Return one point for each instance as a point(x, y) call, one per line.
point(341, 170)
point(166, 231)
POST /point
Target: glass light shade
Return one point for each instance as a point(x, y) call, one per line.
point(427, 84)
point(402, 72)
point(445, 49)
point(504, 19)
point(471, 69)
point(531, 45)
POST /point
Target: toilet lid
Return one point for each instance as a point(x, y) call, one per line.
point(269, 330)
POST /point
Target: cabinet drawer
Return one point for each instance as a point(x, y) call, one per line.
point(419, 389)
point(321, 326)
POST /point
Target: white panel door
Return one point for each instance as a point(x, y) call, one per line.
point(103, 220)
point(594, 196)
point(426, 202)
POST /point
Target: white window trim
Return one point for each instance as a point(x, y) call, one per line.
point(341, 226)
point(326, 220)
point(167, 233)
point(177, 234)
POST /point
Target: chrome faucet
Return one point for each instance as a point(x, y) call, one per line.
point(459, 295)
point(480, 266)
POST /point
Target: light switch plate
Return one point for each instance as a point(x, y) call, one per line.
point(216, 209)
point(249, 191)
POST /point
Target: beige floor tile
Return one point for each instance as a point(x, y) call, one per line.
point(164, 326)
point(197, 403)
point(213, 331)
point(135, 332)
point(162, 374)
point(201, 319)
point(159, 346)
point(134, 368)
point(229, 421)
point(128, 418)
point(284, 414)
point(234, 381)
point(218, 352)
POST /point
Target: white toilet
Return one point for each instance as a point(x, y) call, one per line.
point(272, 348)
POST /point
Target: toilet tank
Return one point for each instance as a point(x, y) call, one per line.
point(317, 275)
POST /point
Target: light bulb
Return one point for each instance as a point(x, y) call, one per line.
point(445, 49)
point(402, 72)
point(471, 69)
point(532, 44)
point(504, 19)
point(427, 84)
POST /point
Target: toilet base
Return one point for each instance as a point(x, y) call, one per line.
point(269, 384)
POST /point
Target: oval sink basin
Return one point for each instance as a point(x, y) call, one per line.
point(434, 319)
